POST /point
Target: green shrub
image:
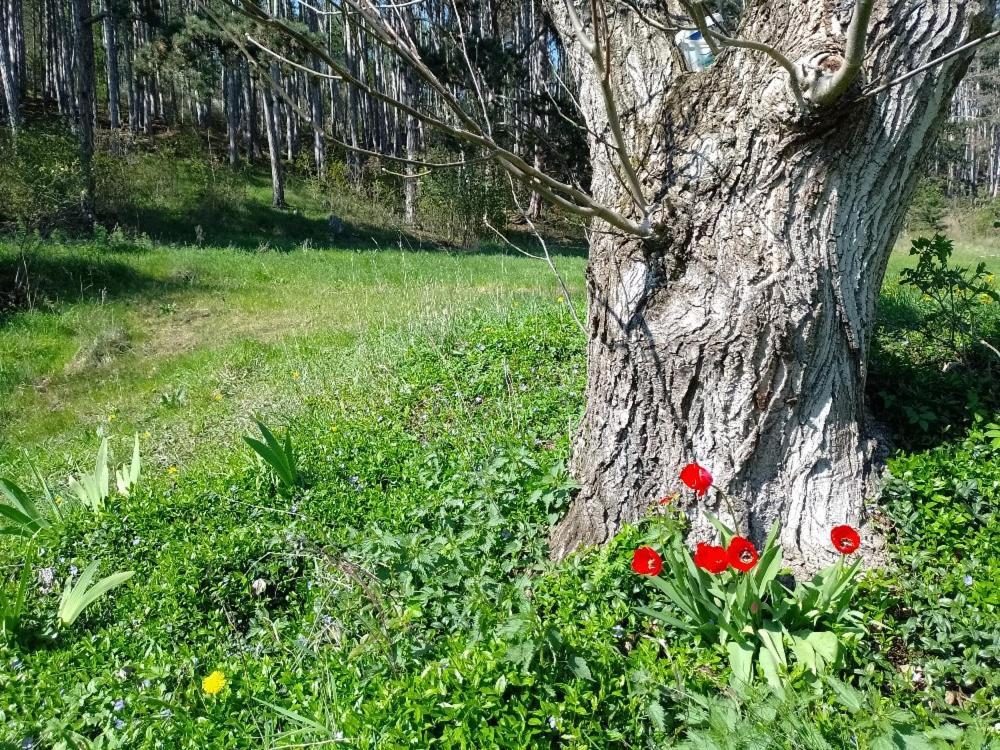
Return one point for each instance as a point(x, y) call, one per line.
point(929, 208)
point(930, 372)
point(956, 296)
point(935, 613)
point(40, 180)
point(459, 202)
point(986, 219)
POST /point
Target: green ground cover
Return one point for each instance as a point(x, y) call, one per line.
point(401, 595)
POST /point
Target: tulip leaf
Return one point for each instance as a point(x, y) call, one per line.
point(741, 661)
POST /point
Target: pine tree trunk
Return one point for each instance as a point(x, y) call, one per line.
point(315, 88)
point(411, 184)
point(273, 143)
point(738, 335)
point(10, 64)
point(84, 52)
point(230, 87)
point(111, 53)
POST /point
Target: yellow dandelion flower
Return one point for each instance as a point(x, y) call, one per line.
point(112, 417)
point(58, 499)
point(217, 396)
point(147, 434)
point(214, 683)
point(171, 470)
point(296, 375)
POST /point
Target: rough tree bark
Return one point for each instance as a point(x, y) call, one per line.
point(738, 335)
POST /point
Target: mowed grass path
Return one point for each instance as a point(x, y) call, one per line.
point(185, 344)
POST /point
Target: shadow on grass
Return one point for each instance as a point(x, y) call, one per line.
point(30, 280)
point(925, 395)
point(254, 226)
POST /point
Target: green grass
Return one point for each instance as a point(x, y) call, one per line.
point(969, 252)
point(179, 340)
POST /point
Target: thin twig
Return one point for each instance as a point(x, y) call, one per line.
point(927, 66)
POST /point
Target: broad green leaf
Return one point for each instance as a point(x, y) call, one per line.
point(741, 660)
point(726, 532)
point(848, 696)
point(680, 601)
point(826, 646)
point(805, 654)
point(771, 637)
point(579, 667)
point(767, 569)
point(770, 666)
point(664, 617)
point(76, 598)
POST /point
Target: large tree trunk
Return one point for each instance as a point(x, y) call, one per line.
point(738, 335)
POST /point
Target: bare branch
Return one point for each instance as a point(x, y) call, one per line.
point(307, 117)
point(927, 66)
point(828, 89)
point(548, 257)
point(652, 23)
point(566, 196)
point(292, 63)
point(711, 34)
point(593, 47)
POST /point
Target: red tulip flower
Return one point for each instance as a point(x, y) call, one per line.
point(711, 558)
point(697, 478)
point(845, 539)
point(646, 562)
point(741, 554)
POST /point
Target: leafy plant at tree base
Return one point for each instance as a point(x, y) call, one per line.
point(279, 456)
point(731, 595)
point(956, 293)
point(834, 715)
point(76, 598)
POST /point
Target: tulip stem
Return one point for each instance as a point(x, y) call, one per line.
point(729, 507)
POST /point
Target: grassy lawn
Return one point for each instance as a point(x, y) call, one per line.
point(968, 252)
point(186, 343)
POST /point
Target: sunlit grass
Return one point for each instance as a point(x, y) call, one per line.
point(188, 342)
